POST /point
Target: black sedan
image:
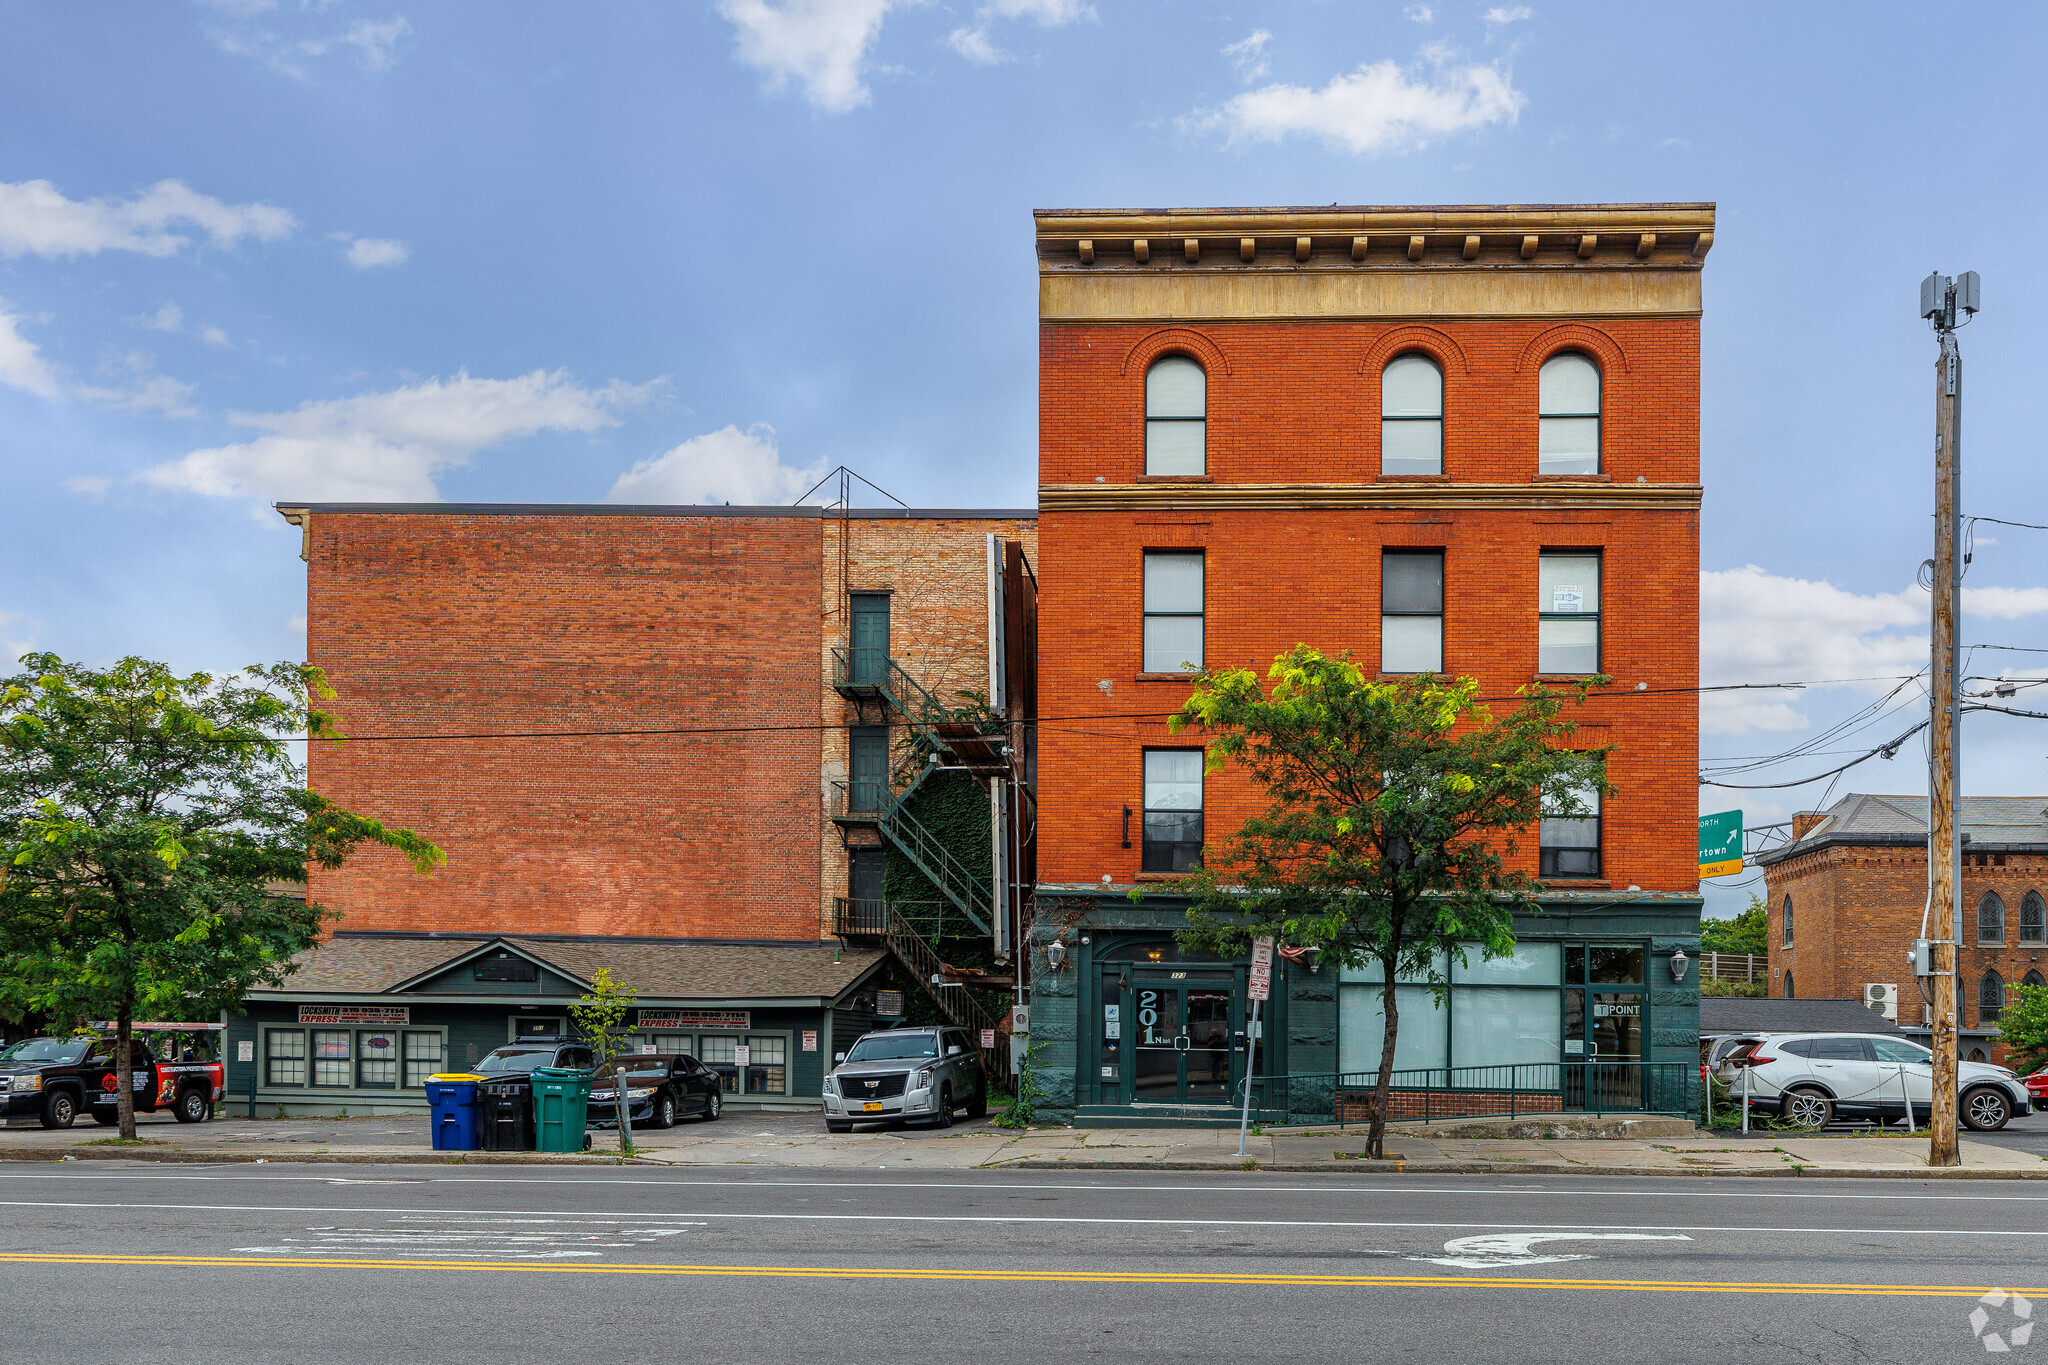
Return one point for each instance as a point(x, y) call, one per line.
point(660, 1090)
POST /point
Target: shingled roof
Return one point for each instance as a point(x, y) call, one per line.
point(660, 970)
point(2005, 824)
point(1740, 1014)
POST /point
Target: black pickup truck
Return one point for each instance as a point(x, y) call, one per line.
point(51, 1080)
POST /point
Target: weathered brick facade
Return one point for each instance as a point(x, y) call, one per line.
point(461, 639)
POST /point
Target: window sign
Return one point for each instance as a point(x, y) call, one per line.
point(1112, 1025)
point(1567, 597)
point(741, 1055)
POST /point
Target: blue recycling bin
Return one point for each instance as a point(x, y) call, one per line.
point(453, 1099)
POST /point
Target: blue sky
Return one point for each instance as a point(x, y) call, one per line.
point(509, 252)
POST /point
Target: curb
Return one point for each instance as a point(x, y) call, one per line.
point(1364, 1167)
point(181, 1157)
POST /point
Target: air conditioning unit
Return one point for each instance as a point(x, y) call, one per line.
point(1883, 998)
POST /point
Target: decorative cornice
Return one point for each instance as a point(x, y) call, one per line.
point(1274, 497)
point(1478, 236)
point(301, 517)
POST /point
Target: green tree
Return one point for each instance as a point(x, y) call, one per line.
point(600, 1015)
point(1392, 816)
point(1745, 933)
point(146, 822)
point(2023, 1028)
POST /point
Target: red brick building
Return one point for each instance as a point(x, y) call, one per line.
point(636, 725)
point(1460, 440)
point(1848, 892)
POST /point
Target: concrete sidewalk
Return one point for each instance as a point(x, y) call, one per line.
point(798, 1142)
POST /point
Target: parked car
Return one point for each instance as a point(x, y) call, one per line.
point(2037, 1087)
point(1811, 1079)
point(52, 1080)
point(509, 1070)
point(658, 1089)
point(906, 1073)
point(1715, 1048)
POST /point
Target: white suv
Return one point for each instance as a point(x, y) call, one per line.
point(1811, 1079)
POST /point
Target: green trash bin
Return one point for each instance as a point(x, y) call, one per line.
point(561, 1108)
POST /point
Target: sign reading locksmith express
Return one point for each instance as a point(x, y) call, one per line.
point(355, 1014)
point(682, 1019)
point(1721, 843)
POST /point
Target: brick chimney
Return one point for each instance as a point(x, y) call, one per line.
point(1804, 820)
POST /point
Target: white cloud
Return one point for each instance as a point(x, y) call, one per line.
point(1377, 108)
point(1762, 627)
point(821, 44)
point(375, 41)
point(92, 486)
point(1418, 14)
point(136, 387)
point(214, 336)
point(169, 318)
point(727, 465)
point(35, 217)
point(367, 253)
point(21, 361)
point(1248, 55)
point(391, 446)
point(1505, 14)
point(975, 44)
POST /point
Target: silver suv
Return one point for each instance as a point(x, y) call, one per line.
point(906, 1073)
point(1812, 1079)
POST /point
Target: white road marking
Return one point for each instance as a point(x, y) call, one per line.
point(708, 1215)
point(1513, 1248)
point(485, 1243)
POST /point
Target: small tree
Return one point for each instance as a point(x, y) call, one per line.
point(600, 1015)
point(1746, 933)
point(1391, 821)
point(2023, 1028)
point(147, 820)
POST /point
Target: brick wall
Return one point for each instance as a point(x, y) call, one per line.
point(1298, 402)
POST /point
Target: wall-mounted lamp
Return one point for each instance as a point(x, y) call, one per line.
point(1055, 954)
point(1678, 964)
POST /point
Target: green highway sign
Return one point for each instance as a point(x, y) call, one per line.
point(1721, 843)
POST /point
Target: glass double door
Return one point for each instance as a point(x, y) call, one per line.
point(1603, 1049)
point(1182, 1040)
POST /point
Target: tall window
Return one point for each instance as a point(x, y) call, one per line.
point(1173, 810)
point(1788, 987)
point(1176, 417)
point(1990, 999)
point(1568, 613)
point(1411, 611)
point(1173, 611)
point(1568, 844)
point(1411, 416)
point(1788, 929)
point(2033, 919)
point(1991, 919)
point(2034, 979)
point(1568, 407)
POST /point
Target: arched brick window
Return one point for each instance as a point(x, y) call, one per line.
point(1788, 987)
point(1412, 416)
point(1568, 415)
point(1991, 919)
point(2033, 919)
point(2034, 979)
point(1788, 922)
point(1990, 998)
point(1176, 416)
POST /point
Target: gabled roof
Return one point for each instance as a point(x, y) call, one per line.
point(1739, 1014)
point(2004, 823)
point(668, 969)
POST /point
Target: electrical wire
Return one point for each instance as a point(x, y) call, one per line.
point(1892, 747)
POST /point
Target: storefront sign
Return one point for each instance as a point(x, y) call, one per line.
point(1262, 968)
point(1721, 843)
point(689, 1019)
point(1629, 1011)
point(810, 1040)
point(355, 1014)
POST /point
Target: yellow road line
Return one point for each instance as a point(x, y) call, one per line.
point(1031, 1276)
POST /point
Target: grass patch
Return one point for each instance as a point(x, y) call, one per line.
point(124, 1142)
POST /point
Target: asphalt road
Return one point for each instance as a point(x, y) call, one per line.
point(106, 1261)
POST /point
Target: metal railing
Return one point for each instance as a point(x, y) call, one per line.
point(868, 800)
point(880, 920)
point(861, 917)
point(1517, 1090)
point(1747, 967)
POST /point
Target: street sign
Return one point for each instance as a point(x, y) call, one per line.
point(1721, 843)
point(1262, 968)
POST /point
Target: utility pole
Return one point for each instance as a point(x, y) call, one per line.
point(1940, 300)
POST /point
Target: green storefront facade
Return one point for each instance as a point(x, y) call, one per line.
point(1589, 1015)
point(364, 1020)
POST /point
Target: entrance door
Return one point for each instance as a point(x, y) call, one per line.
point(869, 789)
point(869, 637)
point(1604, 1004)
point(1181, 1050)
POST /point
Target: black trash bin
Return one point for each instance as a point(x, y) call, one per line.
point(505, 1115)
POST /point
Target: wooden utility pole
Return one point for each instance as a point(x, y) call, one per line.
point(1938, 303)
